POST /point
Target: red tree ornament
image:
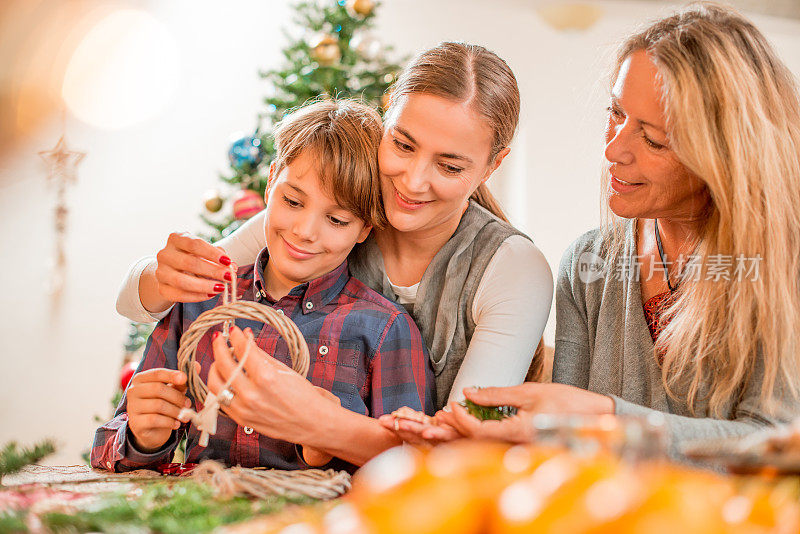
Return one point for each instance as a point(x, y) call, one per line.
point(247, 203)
point(126, 374)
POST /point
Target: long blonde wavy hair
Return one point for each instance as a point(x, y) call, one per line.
point(733, 119)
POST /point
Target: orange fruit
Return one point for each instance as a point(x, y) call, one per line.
point(397, 493)
point(675, 500)
point(761, 508)
point(551, 498)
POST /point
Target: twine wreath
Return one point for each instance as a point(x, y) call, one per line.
point(258, 483)
point(206, 419)
point(262, 483)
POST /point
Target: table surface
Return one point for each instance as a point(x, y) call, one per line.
point(64, 487)
point(73, 476)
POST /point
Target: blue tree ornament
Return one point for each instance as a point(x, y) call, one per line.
point(245, 153)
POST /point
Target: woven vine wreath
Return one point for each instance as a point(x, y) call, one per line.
point(257, 483)
point(298, 349)
point(206, 419)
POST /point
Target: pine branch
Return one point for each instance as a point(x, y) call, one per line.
point(166, 507)
point(486, 413)
point(12, 521)
point(13, 459)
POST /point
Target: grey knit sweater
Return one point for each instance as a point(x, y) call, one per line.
point(603, 344)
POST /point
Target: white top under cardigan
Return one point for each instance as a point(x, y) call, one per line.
point(510, 308)
point(603, 345)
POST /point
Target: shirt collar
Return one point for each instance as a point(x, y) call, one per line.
point(314, 294)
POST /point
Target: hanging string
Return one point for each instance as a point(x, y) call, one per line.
point(229, 296)
point(206, 419)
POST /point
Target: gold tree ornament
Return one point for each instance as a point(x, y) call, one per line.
point(367, 45)
point(325, 49)
point(62, 166)
point(213, 201)
point(360, 8)
point(570, 16)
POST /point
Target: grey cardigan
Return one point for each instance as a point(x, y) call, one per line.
point(443, 309)
point(603, 344)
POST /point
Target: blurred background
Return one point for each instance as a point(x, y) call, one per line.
point(150, 95)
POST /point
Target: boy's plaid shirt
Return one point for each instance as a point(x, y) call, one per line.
point(364, 348)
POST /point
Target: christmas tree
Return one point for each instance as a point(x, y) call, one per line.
point(337, 56)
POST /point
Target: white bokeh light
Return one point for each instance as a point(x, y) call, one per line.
point(123, 72)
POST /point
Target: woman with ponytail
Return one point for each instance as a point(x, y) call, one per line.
point(479, 290)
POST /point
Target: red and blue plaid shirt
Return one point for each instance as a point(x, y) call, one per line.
point(364, 348)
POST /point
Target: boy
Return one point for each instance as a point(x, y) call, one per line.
point(323, 198)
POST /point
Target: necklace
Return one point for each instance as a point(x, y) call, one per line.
point(663, 260)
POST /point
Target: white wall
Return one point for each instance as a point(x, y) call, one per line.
point(58, 366)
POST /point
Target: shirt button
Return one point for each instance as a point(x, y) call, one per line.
point(280, 311)
point(309, 305)
point(323, 350)
point(248, 430)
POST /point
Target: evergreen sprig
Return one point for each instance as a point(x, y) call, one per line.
point(13, 521)
point(488, 413)
point(12, 458)
point(166, 507)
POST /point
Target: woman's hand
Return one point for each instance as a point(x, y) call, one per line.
point(316, 457)
point(529, 398)
point(187, 269)
point(417, 433)
point(155, 398)
point(268, 396)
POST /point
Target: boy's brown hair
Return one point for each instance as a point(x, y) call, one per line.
point(343, 136)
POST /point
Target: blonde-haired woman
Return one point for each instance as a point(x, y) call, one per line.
point(703, 146)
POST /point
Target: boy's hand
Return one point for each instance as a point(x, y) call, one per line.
point(155, 397)
point(315, 457)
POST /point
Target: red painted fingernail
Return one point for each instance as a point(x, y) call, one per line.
point(228, 277)
point(215, 336)
point(219, 288)
point(212, 294)
point(225, 260)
